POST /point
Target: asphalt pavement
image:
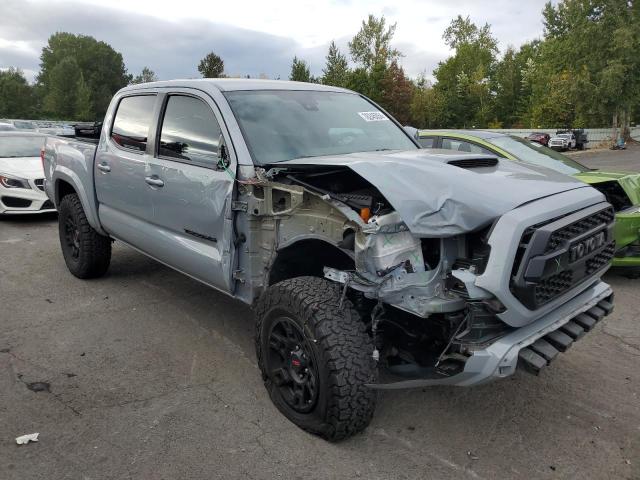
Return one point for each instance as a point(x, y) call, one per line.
point(147, 374)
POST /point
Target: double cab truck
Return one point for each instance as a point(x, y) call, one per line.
point(370, 264)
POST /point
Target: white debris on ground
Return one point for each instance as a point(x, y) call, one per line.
point(24, 439)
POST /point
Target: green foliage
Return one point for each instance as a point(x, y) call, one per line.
point(102, 67)
point(300, 71)
point(62, 81)
point(147, 75)
point(17, 98)
point(83, 108)
point(211, 66)
point(371, 45)
point(336, 71)
point(463, 80)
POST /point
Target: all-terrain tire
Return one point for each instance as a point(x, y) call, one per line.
point(86, 252)
point(337, 340)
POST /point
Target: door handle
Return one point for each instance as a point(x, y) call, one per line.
point(104, 167)
point(154, 181)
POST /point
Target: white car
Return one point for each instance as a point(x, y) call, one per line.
point(7, 127)
point(21, 174)
point(24, 125)
point(563, 141)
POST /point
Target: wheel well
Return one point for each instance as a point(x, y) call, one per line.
point(308, 257)
point(63, 189)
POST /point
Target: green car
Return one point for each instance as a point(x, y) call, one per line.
point(622, 190)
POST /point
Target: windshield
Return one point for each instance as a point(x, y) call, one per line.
point(281, 125)
point(20, 146)
point(537, 154)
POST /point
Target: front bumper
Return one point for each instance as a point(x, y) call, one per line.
point(627, 235)
point(502, 358)
point(18, 201)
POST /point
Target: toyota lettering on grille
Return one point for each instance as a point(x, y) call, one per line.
point(586, 246)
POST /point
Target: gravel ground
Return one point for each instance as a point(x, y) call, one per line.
point(147, 374)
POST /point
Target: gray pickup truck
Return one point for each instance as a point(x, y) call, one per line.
point(370, 264)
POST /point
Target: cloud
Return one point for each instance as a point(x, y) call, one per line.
point(171, 41)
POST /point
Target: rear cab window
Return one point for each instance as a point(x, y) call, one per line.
point(189, 132)
point(132, 120)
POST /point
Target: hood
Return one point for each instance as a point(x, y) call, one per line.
point(630, 182)
point(436, 199)
point(23, 167)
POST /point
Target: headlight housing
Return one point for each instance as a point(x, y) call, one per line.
point(9, 181)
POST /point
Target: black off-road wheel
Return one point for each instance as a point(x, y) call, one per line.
point(86, 252)
point(315, 357)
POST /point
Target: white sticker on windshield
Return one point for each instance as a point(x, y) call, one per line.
point(373, 116)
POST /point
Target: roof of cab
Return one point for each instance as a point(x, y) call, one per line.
point(474, 133)
point(236, 84)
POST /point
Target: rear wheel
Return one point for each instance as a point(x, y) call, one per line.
point(86, 252)
point(315, 357)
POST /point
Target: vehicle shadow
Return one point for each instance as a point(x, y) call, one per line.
point(31, 219)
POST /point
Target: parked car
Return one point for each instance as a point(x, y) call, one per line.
point(622, 190)
point(541, 138)
point(21, 174)
point(7, 127)
point(25, 125)
point(563, 141)
point(360, 252)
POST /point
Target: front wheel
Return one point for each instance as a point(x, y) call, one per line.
point(86, 252)
point(315, 357)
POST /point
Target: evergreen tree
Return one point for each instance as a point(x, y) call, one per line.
point(299, 71)
point(211, 66)
point(337, 70)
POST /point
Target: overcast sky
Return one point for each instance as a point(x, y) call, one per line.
point(253, 37)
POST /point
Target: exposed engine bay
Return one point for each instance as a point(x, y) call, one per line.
point(396, 280)
point(413, 262)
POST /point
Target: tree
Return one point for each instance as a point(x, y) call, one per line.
point(427, 106)
point(594, 43)
point(463, 80)
point(396, 93)
point(62, 80)
point(102, 67)
point(83, 107)
point(371, 45)
point(337, 69)
point(299, 71)
point(211, 66)
point(147, 75)
point(17, 98)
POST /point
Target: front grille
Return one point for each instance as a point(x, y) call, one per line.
point(601, 259)
point(559, 237)
point(553, 286)
point(39, 183)
point(559, 254)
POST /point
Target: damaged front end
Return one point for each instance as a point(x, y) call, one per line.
point(432, 274)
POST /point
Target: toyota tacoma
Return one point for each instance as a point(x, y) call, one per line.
point(370, 263)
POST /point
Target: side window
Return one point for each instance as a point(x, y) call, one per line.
point(426, 142)
point(462, 146)
point(131, 124)
point(190, 132)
